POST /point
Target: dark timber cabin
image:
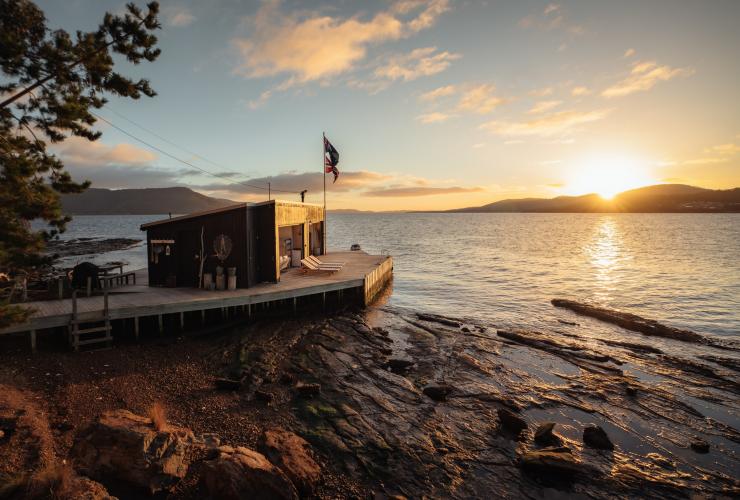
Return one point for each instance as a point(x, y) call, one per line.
point(258, 239)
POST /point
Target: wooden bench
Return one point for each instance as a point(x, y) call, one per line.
point(110, 280)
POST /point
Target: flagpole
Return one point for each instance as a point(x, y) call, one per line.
point(323, 173)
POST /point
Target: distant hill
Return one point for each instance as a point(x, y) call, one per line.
point(672, 198)
point(176, 200)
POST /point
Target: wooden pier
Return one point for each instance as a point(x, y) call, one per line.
point(361, 279)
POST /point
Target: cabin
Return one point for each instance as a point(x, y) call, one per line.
point(250, 243)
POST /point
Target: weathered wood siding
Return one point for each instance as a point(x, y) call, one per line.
point(376, 279)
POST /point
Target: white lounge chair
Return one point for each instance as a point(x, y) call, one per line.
point(307, 265)
point(320, 263)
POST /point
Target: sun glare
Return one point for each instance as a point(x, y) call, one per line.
point(607, 176)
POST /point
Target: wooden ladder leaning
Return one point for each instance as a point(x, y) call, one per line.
point(90, 335)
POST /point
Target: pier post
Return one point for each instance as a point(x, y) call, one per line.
point(249, 311)
point(60, 288)
point(203, 316)
point(182, 320)
point(161, 324)
point(33, 340)
point(136, 327)
point(295, 304)
point(89, 286)
point(323, 300)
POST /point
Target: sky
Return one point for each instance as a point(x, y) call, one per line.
point(432, 104)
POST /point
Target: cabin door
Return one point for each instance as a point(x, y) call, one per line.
point(188, 258)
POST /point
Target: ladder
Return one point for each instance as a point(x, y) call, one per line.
point(90, 331)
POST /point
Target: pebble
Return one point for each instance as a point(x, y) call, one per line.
point(596, 437)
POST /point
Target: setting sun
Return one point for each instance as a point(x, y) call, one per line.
point(607, 176)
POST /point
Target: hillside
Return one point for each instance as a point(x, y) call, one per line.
point(659, 198)
point(176, 200)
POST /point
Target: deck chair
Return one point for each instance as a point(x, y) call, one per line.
point(320, 263)
point(308, 266)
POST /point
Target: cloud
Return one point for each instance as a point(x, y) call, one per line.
point(419, 191)
point(437, 93)
point(415, 64)
point(629, 53)
point(314, 47)
point(728, 149)
point(542, 106)
point(552, 17)
point(295, 182)
point(127, 176)
point(643, 77)
point(479, 99)
point(543, 92)
point(579, 91)
point(561, 122)
point(435, 117)
point(177, 15)
point(80, 151)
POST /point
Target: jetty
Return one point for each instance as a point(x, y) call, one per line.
point(359, 281)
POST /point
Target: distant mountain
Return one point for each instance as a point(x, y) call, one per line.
point(176, 200)
point(650, 199)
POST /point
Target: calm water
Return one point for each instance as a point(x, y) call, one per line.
point(504, 268)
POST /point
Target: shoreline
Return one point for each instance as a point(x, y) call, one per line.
point(416, 404)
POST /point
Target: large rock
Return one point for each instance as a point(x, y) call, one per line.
point(510, 422)
point(126, 447)
point(596, 437)
point(293, 455)
point(244, 474)
point(551, 461)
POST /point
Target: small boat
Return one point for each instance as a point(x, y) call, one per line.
point(355, 247)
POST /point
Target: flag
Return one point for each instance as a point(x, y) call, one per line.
point(331, 159)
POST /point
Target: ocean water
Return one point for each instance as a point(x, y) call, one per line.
point(503, 269)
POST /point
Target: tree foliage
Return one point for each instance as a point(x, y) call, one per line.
point(51, 81)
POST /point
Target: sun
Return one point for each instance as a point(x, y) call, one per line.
point(607, 176)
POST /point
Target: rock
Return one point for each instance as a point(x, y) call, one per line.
point(399, 365)
point(293, 455)
point(596, 437)
point(308, 390)
point(437, 392)
point(264, 395)
point(433, 318)
point(286, 378)
point(544, 436)
point(465, 329)
point(84, 488)
point(511, 422)
point(700, 446)
point(241, 474)
point(558, 462)
point(127, 447)
point(228, 384)
point(630, 390)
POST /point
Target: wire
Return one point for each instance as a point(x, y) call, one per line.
point(160, 150)
point(142, 127)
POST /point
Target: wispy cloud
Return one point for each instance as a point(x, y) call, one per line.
point(579, 91)
point(417, 63)
point(419, 191)
point(543, 106)
point(438, 93)
point(79, 151)
point(629, 53)
point(312, 47)
point(552, 17)
point(561, 122)
point(177, 15)
point(479, 99)
point(435, 117)
point(543, 92)
point(644, 76)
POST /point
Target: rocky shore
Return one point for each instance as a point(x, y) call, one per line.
point(381, 403)
point(88, 246)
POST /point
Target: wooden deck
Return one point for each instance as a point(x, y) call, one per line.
point(366, 273)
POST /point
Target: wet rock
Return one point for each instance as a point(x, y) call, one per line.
point(293, 455)
point(465, 329)
point(127, 447)
point(437, 392)
point(308, 390)
point(510, 422)
point(555, 461)
point(399, 365)
point(631, 321)
point(241, 474)
point(433, 318)
point(544, 436)
point(700, 446)
point(228, 384)
point(631, 390)
point(596, 437)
